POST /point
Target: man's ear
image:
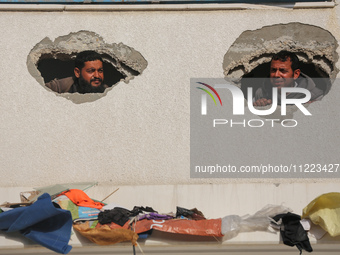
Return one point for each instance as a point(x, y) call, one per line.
point(296, 73)
point(77, 72)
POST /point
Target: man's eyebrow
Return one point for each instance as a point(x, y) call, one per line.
point(281, 69)
point(90, 69)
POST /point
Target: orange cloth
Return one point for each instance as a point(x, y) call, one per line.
point(190, 227)
point(80, 198)
point(105, 235)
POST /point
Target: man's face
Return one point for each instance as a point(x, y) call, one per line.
point(282, 74)
point(91, 75)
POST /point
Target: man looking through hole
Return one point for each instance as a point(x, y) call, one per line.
point(88, 76)
point(285, 72)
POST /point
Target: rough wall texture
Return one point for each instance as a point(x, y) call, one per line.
point(139, 133)
point(311, 43)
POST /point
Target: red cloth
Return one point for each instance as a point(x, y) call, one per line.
point(80, 198)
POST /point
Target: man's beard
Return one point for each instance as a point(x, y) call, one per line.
point(85, 87)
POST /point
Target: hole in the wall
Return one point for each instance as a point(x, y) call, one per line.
point(49, 61)
point(256, 77)
point(51, 68)
point(58, 69)
point(313, 45)
point(251, 53)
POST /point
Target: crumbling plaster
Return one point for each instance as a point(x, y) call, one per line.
point(254, 47)
point(123, 58)
point(312, 44)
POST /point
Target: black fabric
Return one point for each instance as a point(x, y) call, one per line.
point(120, 215)
point(292, 232)
point(191, 214)
point(140, 209)
point(117, 215)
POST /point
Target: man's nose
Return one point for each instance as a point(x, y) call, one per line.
point(96, 74)
point(277, 74)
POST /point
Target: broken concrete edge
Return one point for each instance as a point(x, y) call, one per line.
point(255, 47)
point(83, 98)
point(245, 65)
point(123, 58)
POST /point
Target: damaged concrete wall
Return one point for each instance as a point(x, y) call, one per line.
point(138, 133)
point(124, 59)
point(312, 44)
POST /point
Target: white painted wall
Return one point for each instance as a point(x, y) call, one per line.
point(139, 133)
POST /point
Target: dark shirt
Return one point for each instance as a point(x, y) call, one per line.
point(71, 85)
point(302, 82)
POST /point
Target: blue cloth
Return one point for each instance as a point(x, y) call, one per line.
point(41, 222)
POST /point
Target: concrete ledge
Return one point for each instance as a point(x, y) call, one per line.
point(158, 7)
point(184, 249)
point(214, 201)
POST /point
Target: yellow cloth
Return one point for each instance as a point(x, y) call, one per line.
point(325, 211)
point(105, 235)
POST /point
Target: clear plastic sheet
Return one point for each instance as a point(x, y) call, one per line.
point(232, 225)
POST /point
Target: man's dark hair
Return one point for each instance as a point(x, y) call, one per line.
point(285, 55)
point(84, 56)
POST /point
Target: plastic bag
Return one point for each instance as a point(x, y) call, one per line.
point(325, 212)
point(260, 221)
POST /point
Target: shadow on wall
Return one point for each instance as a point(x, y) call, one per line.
point(55, 60)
